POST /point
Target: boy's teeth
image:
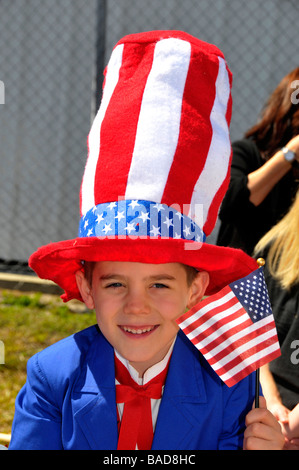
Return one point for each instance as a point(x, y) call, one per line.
point(139, 331)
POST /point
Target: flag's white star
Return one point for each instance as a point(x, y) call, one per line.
point(155, 231)
point(159, 207)
point(99, 218)
point(168, 222)
point(130, 227)
point(144, 216)
point(120, 215)
point(107, 228)
point(134, 204)
point(186, 231)
point(111, 205)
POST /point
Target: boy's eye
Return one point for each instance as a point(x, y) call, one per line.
point(114, 285)
point(159, 285)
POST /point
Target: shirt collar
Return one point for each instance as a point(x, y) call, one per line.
point(151, 372)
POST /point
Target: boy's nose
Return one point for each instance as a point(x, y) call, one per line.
point(137, 303)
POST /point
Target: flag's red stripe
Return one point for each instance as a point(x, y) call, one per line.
point(239, 342)
point(203, 304)
point(246, 354)
point(223, 337)
point(113, 139)
point(251, 368)
point(193, 117)
point(225, 334)
point(208, 315)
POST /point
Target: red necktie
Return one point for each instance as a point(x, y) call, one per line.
point(136, 424)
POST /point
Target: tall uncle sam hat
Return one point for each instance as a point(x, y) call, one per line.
point(158, 164)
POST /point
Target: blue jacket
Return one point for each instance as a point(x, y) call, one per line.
point(68, 401)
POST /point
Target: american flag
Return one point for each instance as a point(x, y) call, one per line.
point(234, 329)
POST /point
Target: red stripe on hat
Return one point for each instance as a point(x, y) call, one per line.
point(195, 121)
point(119, 126)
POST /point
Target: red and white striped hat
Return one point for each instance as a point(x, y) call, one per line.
point(158, 164)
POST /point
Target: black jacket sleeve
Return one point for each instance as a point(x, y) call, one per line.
point(243, 223)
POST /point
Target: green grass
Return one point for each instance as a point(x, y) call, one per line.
point(28, 324)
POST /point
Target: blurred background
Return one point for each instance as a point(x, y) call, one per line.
point(52, 57)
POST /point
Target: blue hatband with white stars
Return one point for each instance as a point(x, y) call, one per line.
point(138, 218)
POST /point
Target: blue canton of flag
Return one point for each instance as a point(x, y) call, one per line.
point(252, 293)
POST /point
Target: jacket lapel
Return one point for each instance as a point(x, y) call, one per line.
point(97, 416)
point(184, 391)
point(98, 422)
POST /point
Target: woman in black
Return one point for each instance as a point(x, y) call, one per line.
point(264, 171)
point(280, 378)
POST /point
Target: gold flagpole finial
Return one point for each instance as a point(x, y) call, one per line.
point(261, 262)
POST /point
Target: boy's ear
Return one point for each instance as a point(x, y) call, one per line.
point(85, 289)
point(198, 288)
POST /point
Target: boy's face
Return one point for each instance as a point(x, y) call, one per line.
point(137, 304)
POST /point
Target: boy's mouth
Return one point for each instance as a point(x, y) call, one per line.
point(138, 330)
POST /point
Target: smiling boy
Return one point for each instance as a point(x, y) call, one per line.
point(137, 306)
point(158, 150)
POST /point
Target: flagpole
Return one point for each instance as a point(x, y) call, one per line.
point(260, 262)
point(257, 389)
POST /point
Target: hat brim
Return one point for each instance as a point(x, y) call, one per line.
point(60, 261)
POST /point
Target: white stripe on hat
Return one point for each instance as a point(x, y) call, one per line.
point(217, 162)
point(112, 77)
point(159, 125)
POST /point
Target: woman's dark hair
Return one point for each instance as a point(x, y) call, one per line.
point(279, 120)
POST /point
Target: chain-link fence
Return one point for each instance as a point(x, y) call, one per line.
point(52, 54)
